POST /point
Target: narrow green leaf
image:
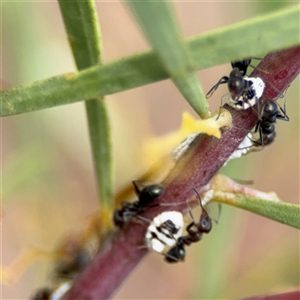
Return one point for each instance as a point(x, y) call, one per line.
point(81, 24)
point(253, 37)
point(158, 21)
point(279, 211)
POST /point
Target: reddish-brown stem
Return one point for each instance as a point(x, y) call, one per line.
point(206, 155)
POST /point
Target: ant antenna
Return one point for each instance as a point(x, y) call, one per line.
point(197, 195)
point(204, 210)
point(255, 67)
point(199, 199)
point(281, 95)
point(136, 188)
point(285, 117)
point(223, 80)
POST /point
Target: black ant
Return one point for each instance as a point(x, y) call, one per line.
point(245, 91)
point(73, 257)
point(195, 232)
point(42, 294)
point(146, 196)
point(76, 259)
point(271, 111)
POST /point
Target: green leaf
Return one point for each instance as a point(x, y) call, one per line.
point(253, 37)
point(279, 211)
point(158, 21)
point(81, 24)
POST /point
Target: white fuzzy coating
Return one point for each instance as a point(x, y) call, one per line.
point(183, 146)
point(156, 245)
point(164, 238)
point(60, 291)
point(242, 149)
point(258, 86)
point(207, 196)
point(175, 216)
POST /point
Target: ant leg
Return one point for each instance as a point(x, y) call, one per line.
point(141, 247)
point(153, 205)
point(254, 67)
point(244, 143)
point(258, 142)
point(284, 116)
point(256, 111)
point(220, 108)
point(142, 218)
point(188, 228)
point(257, 126)
point(275, 89)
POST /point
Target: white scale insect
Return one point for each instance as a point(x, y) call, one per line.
point(243, 148)
point(47, 293)
point(183, 146)
point(164, 234)
point(250, 96)
point(164, 231)
point(61, 291)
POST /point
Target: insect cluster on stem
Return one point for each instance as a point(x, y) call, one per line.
point(245, 93)
point(165, 232)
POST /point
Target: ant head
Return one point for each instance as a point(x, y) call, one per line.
point(149, 193)
point(118, 218)
point(236, 83)
point(205, 223)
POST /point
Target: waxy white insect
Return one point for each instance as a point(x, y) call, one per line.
point(250, 96)
point(164, 231)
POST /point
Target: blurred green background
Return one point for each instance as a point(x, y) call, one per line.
point(47, 176)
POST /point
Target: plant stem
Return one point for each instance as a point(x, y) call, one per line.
point(206, 155)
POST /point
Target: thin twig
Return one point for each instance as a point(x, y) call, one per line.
point(205, 156)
